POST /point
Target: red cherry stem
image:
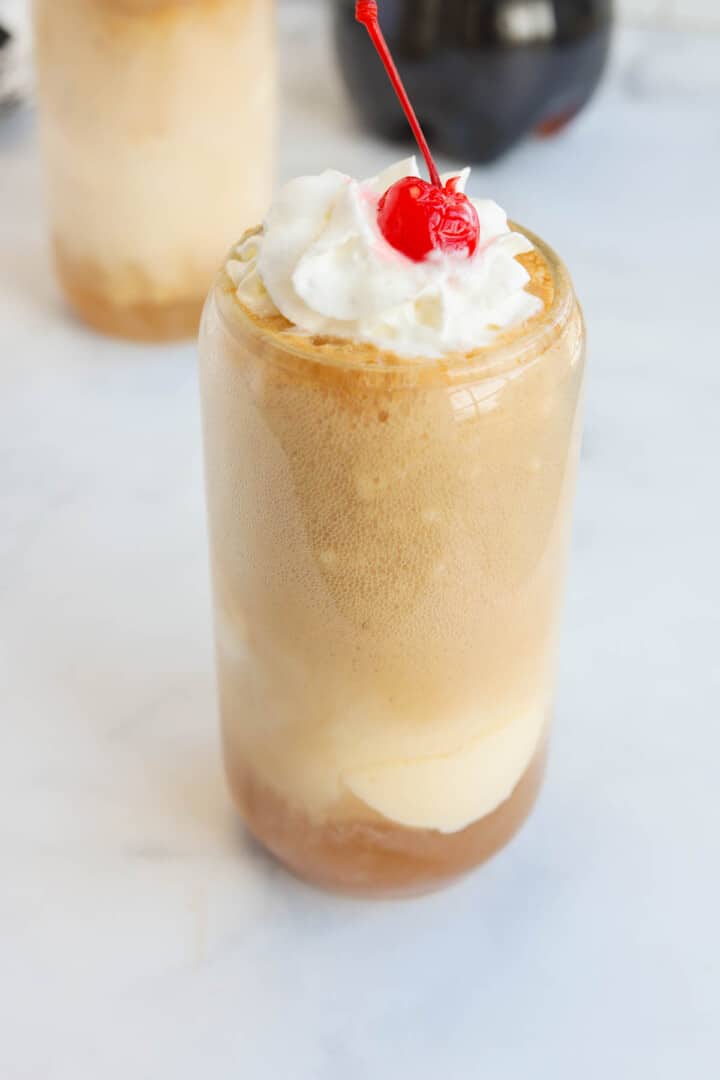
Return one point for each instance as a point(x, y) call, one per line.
point(366, 12)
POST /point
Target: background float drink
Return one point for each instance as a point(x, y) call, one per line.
point(157, 128)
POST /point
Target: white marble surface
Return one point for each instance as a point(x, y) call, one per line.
point(141, 934)
point(698, 14)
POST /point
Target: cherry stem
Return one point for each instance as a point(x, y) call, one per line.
point(366, 12)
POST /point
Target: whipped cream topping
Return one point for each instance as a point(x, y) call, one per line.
point(322, 262)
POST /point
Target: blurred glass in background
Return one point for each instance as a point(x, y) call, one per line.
point(157, 131)
point(481, 74)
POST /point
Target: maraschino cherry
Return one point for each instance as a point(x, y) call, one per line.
point(417, 217)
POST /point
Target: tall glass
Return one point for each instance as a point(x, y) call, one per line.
point(388, 547)
point(157, 131)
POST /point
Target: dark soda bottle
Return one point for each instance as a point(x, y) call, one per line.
point(482, 74)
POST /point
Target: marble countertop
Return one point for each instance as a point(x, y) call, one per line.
point(141, 933)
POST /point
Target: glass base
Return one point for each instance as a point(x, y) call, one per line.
point(379, 859)
point(173, 321)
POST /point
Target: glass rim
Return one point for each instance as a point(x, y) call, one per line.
point(488, 360)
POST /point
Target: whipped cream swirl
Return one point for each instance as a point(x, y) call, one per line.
point(322, 262)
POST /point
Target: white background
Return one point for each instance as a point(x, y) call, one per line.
point(698, 14)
